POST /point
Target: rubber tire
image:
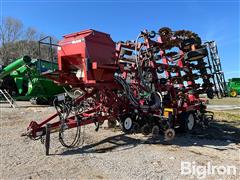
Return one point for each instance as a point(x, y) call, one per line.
point(186, 44)
point(164, 31)
point(152, 34)
point(122, 124)
point(210, 94)
point(39, 101)
point(112, 123)
point(233, 93)
point(145, 129)
point(155, 132)
point(184, 122)
point(50, 101)
point(196, 54)
point(33, 101)
point(163, 81)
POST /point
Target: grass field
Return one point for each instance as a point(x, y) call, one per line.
point(227, 116)
point(225, 101)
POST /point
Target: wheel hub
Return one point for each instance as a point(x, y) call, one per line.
point(190, 122)
point(169, 134)
point(127, 123)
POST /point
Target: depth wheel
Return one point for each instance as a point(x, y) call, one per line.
point(146, 129)
point(155, 132)
point(169, 134)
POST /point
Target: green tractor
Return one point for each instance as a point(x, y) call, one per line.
point(23, 80)
point(234, 87)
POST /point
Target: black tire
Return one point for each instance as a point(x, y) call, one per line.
point(155, 131)
point(163, 81)
point(39, 101)
point(210, 94)
point(33, 101)
point(126, 124)
point(152, 34)
point(50, 101)
point(164, 31)
point(146, 129)
point(186, 44)
point(187, 121)
point(197, 54)
point(112, 123)
point(176, 57)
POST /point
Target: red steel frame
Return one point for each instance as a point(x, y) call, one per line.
point(89, 59)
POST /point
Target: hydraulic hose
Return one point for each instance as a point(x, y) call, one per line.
point(157, 97)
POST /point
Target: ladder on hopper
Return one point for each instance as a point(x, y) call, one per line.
point(7, 97)
point(220, 86)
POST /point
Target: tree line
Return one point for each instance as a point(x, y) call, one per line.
point(16, 40)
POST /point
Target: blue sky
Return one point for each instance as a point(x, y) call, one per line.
point(213, 20)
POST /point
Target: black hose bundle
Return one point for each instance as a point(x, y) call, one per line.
point(156, 96)
point(64, 109)
point(77, 138)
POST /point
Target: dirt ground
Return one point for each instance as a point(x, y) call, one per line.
point(111, 154)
